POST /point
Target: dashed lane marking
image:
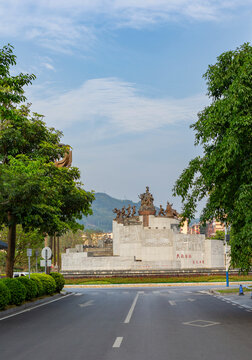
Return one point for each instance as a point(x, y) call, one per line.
point(172, 303)
point(87, 303)
point(118, 342)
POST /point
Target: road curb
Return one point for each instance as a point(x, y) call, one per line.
point(151, 285)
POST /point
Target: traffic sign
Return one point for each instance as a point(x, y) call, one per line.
point(49, 252)
point(43, 263)
point(29, 252)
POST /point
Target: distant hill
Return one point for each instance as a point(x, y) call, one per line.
point(103, 212)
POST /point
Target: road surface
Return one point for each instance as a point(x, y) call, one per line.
point(130, 324)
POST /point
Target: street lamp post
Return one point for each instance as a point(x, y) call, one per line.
point(226, 252)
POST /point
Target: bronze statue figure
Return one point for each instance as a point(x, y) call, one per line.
point(147, 200)
point(117, 212)
point(128, 211)
point(133, 211)
point(170, 212)
point(161, 211)
point(123, 213)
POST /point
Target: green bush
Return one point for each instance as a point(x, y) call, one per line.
point(5, 295)
point(48, 282)
point(30, 285)
point(17, 290)
point(60, 281)
point(38, 282)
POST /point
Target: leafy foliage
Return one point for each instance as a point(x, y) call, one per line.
point(5, 295)
point(48, 283)
point(59, 280)
point(223, 173)
point(17, 291)
point(41, 290)
point(33, 191)
point(31, 287)
point(219, 235)
point(31, 239)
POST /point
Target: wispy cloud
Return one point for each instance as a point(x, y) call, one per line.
point(117, 106)
point(64, 25)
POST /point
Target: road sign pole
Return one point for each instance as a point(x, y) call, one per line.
point(29, 264)
point(29, 254)
point(46, 261)
point(36, 262)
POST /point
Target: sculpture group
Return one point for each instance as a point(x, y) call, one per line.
point(168, 212)
point(125, 213)
point(146, 204)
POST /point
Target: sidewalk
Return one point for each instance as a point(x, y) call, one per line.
point(240, 300)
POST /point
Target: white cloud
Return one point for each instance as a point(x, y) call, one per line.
point(48, 66)
point(115, 107)
point(62, 25)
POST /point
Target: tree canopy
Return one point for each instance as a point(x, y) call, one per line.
point(222, 174)
point(33, 191)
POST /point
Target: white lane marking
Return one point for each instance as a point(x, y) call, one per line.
point(172, 292)
point(188, 292)
point(172, 303)
point(87, 303)
point(156, 292)
point(117, 342)
point(78, 294)
point(125, 292)
point(128, 317)
point(35, 307)
point(189, 299)
point(140, 292)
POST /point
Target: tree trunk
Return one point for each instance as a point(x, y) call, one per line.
point(11, 245)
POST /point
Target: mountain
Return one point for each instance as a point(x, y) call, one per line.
point(103, 215)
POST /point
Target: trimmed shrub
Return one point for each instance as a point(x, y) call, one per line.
point(30, 285)
point(38, 282)
point(59, 279)
point(17, 290)
point(48, 282)
point(5, 295)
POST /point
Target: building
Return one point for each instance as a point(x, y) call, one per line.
point(149, 242)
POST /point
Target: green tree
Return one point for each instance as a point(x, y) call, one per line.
point(223, 173)
point(24, 240)
point(219, 235)
point(33, 191)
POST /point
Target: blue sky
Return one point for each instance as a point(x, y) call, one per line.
point(123, 80)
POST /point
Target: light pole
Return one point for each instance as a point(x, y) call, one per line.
point(226, 252)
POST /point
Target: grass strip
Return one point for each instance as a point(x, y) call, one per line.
point(154, 279)
point(234, 290)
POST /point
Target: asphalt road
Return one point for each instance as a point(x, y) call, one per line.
point(130, 324)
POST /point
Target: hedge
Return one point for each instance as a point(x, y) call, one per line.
point(30, 285)
point(60, 281)
point(17, 291)
point(5, 295)
point(37, 280)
